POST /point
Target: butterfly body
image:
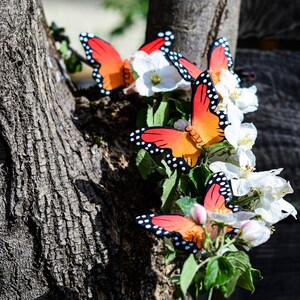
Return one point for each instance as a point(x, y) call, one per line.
point(110, 71)
point(187, 235)
point(184, 148)
point(194, 135)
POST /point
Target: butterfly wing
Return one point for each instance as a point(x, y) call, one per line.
point(207, 121)
point(109, 67)
point(162, 42)
point(187, 69)
point(186, 234)
point(219, 56)
point(182, 152)
point(218, 195)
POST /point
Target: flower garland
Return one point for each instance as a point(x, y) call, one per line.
point(225, 206)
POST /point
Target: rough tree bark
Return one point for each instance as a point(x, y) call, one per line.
point(196, 24)
point(67, 203)
point(67, 206)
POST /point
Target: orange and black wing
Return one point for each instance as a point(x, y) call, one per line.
point(187, 235)
point(218, 195)
point(219, 56)
point(187, 69)
point(182, 152)
point(207, 120)
point(109, 67)
point(162, 42)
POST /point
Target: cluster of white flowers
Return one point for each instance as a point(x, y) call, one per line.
point(265, 190)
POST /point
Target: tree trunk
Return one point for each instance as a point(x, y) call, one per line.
point(196, 24)
point(68, 202)
point(67, 205)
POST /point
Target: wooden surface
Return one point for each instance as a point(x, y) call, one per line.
point(277, 118)
point(196, 24)
point(67, 203)
point(278, 145)
point(276, 19)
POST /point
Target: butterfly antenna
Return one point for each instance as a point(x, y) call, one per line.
point(80, 57)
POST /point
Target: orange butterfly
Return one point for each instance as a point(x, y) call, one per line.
point(110, 71)
point(186, 234)
point(219, 57)
point(185, 147)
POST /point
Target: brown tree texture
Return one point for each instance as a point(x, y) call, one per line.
point(67, 203)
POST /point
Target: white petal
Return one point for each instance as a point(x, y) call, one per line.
point(231, 219)
point(240, 187)
point(247, 100)
point(230, 170)
point(141, 63)
point(159, 60)
point(142, 88)
point(288, 208)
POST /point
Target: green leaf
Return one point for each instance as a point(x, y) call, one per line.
point(167, 168)
point(141, 120)
point(184, 108)
point(256, 275)
point(150, 119)
point(185, 204)
point(161, 115)
point(175, 279)
point(240, 261)
point(189, 270)
point(214, 147)
point(170, 257)
point(247, 279)
point(184, 185)
point(218, 272)
point(58, 33)
point(73, 64)
point(168, 244)
point(199, 176)
point(169, 188)
point(144, 163)
point(56, 29)
point(63, 49)
point(229, 287)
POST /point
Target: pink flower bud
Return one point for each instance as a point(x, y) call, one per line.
point(198, 213)
point(181, 124)
point(254, 233)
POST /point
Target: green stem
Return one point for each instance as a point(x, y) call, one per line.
point(210, 293)
point(220, 249)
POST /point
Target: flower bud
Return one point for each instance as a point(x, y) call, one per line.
point(254, 233)
point(198, 213)
point(181, 124)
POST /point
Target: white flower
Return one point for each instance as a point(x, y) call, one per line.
point(238, 175)
point(235, 220)
point(243, 178)
point(241, 136)
point(272, 207)
point(234, 115)
point(275, 211)
point(274, 187)
point(239, 102)
point(254, 233)
point(227, 84)
point(245, 99)
point(155, 74)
